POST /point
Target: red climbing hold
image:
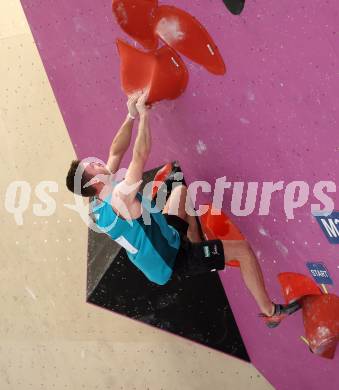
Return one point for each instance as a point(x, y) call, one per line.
point(296, 286)
point(321, 322)
point(217, 225)
point(137, 18)
point(162, 70)
point(185, 34)
point(160, 178)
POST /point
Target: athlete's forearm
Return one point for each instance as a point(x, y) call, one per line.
point(122, 139)
point(143, 142)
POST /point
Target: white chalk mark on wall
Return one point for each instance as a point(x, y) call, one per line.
point(263, 232)
point(281, 247)
point(250, 96)
point(245, 121)
point(201, 147)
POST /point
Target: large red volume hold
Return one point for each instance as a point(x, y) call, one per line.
point(321, 322)
point(161, 70)
point(296, 286)
point(137, 18)
point(185, 34)
point(170, 75)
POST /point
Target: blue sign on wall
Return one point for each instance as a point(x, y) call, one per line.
point(330, 226)
point(320, 273)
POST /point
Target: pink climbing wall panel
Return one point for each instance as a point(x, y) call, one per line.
point(272, 117)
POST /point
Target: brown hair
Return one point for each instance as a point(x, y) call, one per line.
point(87, 191)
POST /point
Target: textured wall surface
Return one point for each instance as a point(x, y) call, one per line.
point(272, 117)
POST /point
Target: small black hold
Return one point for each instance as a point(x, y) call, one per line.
point(235, 6)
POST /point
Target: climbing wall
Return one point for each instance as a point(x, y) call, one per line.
point(272, 118)
point(50, 338)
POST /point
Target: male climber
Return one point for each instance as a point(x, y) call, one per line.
point(167, 245)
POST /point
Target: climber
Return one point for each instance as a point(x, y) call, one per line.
point(168, 245)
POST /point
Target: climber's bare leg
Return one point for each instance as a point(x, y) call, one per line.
point(251, 272)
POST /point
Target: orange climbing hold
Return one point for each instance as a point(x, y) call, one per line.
point(296, 286)
point(137, 18)
point(217, 225)
point(162, 70)
point(321, 322)
point(186, 34)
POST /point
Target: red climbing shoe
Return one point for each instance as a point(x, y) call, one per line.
point(280, 313)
